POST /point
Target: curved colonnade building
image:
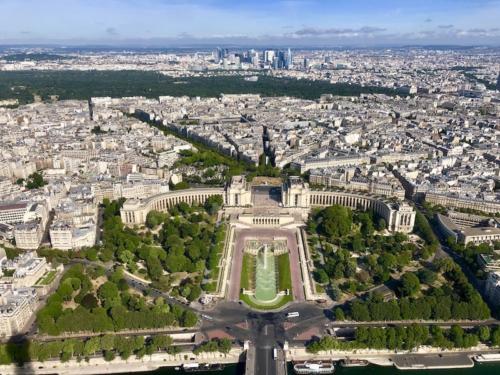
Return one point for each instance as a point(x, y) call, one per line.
point(134, 211)
point(295, 196)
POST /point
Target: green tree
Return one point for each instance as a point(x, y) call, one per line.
point(155, 268)
point(321, 276)
point(65, 290)
point(484, 333)
point(381, 224)
point(427, 276)
point(108, 293)
point(89, 301)
point(424, 230)
point(126, 256)
point(495, 336)
point(457, 336)
point(366, 224)
point(189, 319)
point(409, 284)
point(107, 342)
point(360, 312)
point(335, 221)
point(92, 345)
point(339, 314)
point(224, 345)
point(109, 355)
point(155, 218)
point(388, 261)
point(180, 186)
point(161, 342)
point(35, 181)
point(195, 293)
point(213, 204)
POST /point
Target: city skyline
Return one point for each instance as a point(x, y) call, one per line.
point(263, 187)
point(158, 23)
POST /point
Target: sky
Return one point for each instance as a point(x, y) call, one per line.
point(171, 23)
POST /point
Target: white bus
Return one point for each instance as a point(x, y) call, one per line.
point(294, 314)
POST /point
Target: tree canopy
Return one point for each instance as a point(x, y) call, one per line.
point(334, 221)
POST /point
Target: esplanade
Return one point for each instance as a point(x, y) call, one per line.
point(296, 197)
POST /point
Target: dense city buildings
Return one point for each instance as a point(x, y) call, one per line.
point(20, 290)
point(350, 204)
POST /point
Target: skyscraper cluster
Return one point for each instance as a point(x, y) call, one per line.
point(273, 59)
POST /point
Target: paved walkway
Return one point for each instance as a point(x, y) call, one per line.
point(432, 361)
point(236, 266)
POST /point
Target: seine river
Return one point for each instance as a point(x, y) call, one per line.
point(482, 369)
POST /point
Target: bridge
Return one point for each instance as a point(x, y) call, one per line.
point(262, 361)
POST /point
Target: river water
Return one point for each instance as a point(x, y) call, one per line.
point(478, 369)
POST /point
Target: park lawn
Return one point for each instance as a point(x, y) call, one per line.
point(214, 273)
point(248, 272)
point(284, 274)
point(47, 279)
point(319, 288)
point(284, 282)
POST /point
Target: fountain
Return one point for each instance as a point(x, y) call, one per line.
point(265, 276)
point(263, 260)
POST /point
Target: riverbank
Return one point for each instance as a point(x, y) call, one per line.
point(426, 358)
point(423, 359)
point(98, 365)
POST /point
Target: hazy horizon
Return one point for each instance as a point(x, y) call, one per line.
point(259, 23)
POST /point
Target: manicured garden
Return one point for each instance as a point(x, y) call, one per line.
point(48, 278)
point(283, 282)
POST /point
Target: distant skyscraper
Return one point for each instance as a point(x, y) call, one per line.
point(280, 61)
point(255, 58)
point(252, 56)
point(289, 59)
point(217, 55)
point(269, 56)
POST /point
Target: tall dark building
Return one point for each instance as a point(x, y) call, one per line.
point(281, 60)
point(289, 59)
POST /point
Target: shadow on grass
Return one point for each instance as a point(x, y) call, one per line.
point(17, 351)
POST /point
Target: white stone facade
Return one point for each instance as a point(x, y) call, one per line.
point(16, 308)
point(399, 216)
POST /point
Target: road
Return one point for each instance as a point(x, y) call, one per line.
point(265, 330)
point(444, 251)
